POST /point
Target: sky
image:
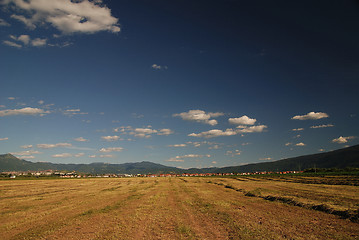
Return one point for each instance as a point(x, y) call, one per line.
point(181, 83)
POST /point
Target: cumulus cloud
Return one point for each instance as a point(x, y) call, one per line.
point(62, 155)
point(26, 146)
point(233, 153)
point(323, 126)
point(107, 156)
point(178, 145)
point(288, 144)
point(199, 116)
point(251, 129)
point(38, 42)
point(214, 133)
point(26, 153)
point(244, 120)
point(174, 160)
point(26, 41)
point(311, 116)
point(144, 132)
point(342, 139)
point(300, 144)
point(70, 112)
point(111, 149)
point(81, 139)
point(297, 129)
point(110, 138)
point(66, 16)
point(165, 131)
point(3, 139)
point(11, 44)
point(181, 158)
point(23, 111)
point(158, 67)
point(47, 146)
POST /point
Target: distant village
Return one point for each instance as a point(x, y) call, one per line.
point(74, 174)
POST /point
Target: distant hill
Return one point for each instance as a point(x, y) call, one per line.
point(346, 157)
point(341, 158)
point(9, 162)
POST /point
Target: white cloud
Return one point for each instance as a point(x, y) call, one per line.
point(321, 150)
point(342, 139)
point(165, 131)
point(38, 42)
point(214, 133)
point(158, 67)
point(66, 16)
point(71, 112)
point(199, 116)
point(251, 129)
point(110, 138)
point(107, 156)
point(265, 159)
point(311, 116)
point(233, 153)
point(174, 160)
point(24, 20)
point(144, 132)
point(180, 158)
point(297, 129)
point(47, 146)
point(81, 139)
point(62, 155)
point(67, 155)
point(11, 98)
point(3, 139)
point(11, 44)
point(3, 23)
point(111, 149)
point(26, 153)
point(92, 156)
point(214, 162)
point(300, 144)
point(25, 39)
point(26, 146)
point(214, 147)
point(23, 111)
point(288, 144)
point(178, 145)
point(323, 126)
point(41, 102)
point(28, 157)
point(244, 120)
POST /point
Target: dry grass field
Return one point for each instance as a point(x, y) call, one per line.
point(175, 208)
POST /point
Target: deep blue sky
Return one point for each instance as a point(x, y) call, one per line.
point(183, 66)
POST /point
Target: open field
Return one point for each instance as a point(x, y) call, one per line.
point(176, 208)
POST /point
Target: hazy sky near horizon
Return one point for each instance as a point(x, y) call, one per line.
point(180, 83)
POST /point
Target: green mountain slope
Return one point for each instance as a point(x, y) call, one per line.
point(346, 157)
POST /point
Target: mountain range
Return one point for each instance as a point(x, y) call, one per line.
point(342, 158)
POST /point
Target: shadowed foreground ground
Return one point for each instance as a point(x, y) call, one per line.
point(168, 208)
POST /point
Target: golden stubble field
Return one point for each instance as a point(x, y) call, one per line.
point(172, 208)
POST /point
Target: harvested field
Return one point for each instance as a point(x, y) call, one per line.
point(174, 208)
